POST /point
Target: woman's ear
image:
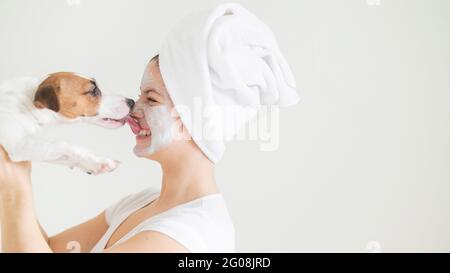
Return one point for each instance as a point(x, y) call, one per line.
point(46, 97)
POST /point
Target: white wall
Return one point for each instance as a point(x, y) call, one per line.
point(364, 158)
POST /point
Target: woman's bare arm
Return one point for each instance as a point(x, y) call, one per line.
point(80, 238)
point(20, 230)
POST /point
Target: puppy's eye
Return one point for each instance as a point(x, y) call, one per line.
point(95, 92)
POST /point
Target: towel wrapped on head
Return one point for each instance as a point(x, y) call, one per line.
point(224, 62)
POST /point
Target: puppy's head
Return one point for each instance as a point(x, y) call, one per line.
point(77, 97)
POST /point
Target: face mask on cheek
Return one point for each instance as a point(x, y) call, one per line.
point(161, 125)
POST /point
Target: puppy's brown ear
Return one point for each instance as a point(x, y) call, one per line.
point(46, 97)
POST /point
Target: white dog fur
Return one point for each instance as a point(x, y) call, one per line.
point(20, 120)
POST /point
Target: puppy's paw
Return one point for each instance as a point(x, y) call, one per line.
point(96, 165)
point(109, 165)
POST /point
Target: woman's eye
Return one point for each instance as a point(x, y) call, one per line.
point(152, 97)
point(152, 100)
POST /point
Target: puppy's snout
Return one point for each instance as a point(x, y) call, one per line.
point(130, 103)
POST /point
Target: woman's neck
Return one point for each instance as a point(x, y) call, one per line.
point(187, 175)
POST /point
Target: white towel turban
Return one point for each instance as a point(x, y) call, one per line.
point(223, 62)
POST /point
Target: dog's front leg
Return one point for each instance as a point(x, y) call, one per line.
point(38, 149)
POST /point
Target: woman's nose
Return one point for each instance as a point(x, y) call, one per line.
point(137, 113)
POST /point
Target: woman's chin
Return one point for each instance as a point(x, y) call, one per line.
point(142, 147)
point(145, 149)
point(143, 143)
point(140, 151)
point(150, 150)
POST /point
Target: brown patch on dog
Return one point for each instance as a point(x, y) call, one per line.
point(69, 94)
point(46, 97)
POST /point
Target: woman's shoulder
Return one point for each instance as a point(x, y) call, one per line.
point(209, 209)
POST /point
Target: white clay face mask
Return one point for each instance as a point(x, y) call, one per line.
point(162, 127)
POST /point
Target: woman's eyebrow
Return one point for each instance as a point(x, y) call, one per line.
point(148, 90)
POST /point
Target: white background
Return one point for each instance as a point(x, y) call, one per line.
point(365, 157)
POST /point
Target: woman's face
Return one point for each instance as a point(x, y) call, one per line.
point(158, 124)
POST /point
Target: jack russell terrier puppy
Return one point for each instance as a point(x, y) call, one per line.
point(27, 105)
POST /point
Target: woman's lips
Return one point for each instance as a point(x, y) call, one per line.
point(143, 140)
point(134, 125)
point(137, 128)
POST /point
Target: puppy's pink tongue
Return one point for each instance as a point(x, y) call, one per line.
point(134, 125)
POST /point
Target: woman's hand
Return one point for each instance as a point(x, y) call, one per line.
point(14, 177)
point(20, 229)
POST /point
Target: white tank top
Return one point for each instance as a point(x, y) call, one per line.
point(200, 225)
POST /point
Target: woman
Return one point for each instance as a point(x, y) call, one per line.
point(189, 197)
point(240, 66)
